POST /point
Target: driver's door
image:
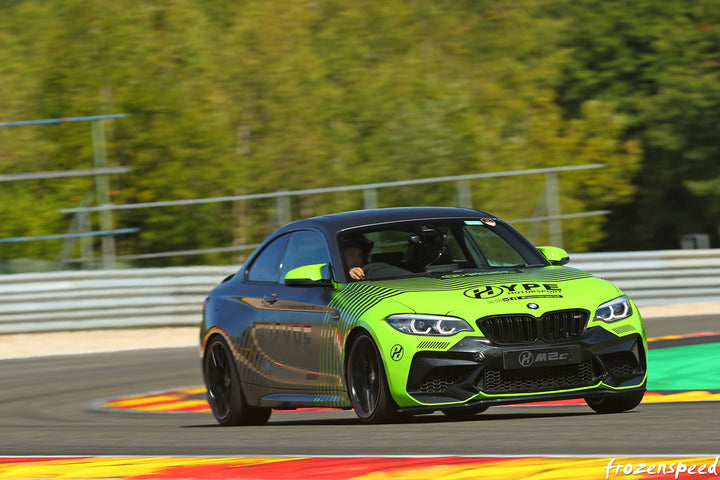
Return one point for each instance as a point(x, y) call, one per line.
point(291, 330)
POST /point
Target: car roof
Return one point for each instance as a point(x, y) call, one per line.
point(377, 216)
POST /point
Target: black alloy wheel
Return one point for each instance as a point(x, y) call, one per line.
point(367, 383)
point(224, 392)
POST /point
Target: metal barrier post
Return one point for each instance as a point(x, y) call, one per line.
point(370, 198)
point(283, 210)
point(464, 194)
point(552, 201)
point(102, 186)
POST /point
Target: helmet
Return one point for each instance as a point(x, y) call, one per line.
point(359, 241)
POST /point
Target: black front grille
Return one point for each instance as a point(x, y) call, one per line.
point(510, 328)
point(564, 324)
point(520, 328)
point(538, 379)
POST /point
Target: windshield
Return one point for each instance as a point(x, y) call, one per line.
point(411, 248)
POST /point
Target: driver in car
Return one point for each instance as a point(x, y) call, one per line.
point(355, 252)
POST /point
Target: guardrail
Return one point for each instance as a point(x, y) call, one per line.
point(78, 300)
point(660, 277)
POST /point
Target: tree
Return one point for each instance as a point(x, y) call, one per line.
point(658, 62)
point(228, 98)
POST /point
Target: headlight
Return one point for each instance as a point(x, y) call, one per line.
point(614, 310)
point(428, 324)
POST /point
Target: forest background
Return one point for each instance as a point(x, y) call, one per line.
point(235, 97)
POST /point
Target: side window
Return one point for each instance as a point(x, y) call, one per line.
point(266, 267)
point(304, 248)
point(387, 246)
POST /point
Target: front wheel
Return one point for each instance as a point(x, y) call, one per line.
point(367, 384)
point(224, 391)
point(615, 402)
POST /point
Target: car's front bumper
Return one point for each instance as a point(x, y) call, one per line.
point(477, 372)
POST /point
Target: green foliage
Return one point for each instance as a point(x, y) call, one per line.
point(709, 191)
point(231, 98)
point(659, 63)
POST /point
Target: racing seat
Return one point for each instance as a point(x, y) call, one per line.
point(429, 247)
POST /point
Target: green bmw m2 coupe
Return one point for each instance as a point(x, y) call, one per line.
point(408, 311)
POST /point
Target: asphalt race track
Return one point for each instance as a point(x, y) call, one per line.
point(49, 406)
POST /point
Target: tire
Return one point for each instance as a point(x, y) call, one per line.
point(464, 413)
point(224, 391)
point(615, 402)
point(367, 383)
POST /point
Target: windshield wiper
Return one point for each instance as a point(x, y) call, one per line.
point(523, 265)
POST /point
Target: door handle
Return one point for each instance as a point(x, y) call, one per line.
point(271, 299)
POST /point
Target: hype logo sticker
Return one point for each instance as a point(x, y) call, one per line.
point(489, 291)
point(515, 291)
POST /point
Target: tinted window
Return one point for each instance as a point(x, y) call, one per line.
point(266, 267)
point(304, 248)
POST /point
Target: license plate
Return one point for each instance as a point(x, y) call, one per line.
point(541, 357)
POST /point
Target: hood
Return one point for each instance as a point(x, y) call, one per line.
point(476, 294)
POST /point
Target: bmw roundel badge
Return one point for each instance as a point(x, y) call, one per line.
point(533, 306)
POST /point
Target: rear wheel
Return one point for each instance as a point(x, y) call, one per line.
point(615, 402)
point(367, 383)
point(224, 391)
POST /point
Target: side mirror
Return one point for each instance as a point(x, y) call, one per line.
point(309, 276)
point(555, 255)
